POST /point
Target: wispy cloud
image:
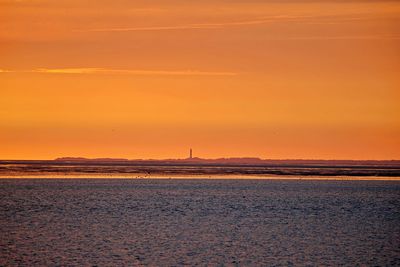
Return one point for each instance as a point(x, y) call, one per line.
point(122, 72)
point(193, 26)
point(339, 37)
point(306, 19)
point(155, 28)
point(196, 26)
point(260, 21)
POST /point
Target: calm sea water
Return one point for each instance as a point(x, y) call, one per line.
point(111, 222)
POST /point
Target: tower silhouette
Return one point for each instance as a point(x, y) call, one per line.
point(191, 154)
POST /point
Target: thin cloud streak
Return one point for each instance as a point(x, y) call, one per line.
point(120, 71)
point(300, 19)
point(349, 37)
point(156, 28)
point(197, 26)
point(249, 22)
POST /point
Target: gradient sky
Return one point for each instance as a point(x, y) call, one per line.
point(150, 79)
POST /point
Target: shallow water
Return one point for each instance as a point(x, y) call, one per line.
point(109, 222)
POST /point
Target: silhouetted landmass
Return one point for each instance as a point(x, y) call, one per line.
point(238, 161)
point(75, 159)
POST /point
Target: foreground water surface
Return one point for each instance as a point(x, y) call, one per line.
point(119, 222)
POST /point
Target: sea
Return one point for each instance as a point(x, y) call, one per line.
point(199, 222)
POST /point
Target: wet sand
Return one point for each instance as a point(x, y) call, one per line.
point(110, 170)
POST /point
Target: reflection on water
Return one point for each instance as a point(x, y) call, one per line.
point(85, 222)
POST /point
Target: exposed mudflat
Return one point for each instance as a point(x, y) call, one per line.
point(113, 222)
point(55, 169)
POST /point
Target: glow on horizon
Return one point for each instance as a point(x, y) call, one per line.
point(140, 79)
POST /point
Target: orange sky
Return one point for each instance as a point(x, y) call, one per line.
point(150, 79)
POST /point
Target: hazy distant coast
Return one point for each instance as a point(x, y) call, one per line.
point(236, 161)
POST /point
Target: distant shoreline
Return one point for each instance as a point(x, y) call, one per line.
point(245, 161)
point(234, 160)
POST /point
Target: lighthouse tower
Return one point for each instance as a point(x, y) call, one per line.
point(191, 154)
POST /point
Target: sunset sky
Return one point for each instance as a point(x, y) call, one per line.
point(150, 79)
